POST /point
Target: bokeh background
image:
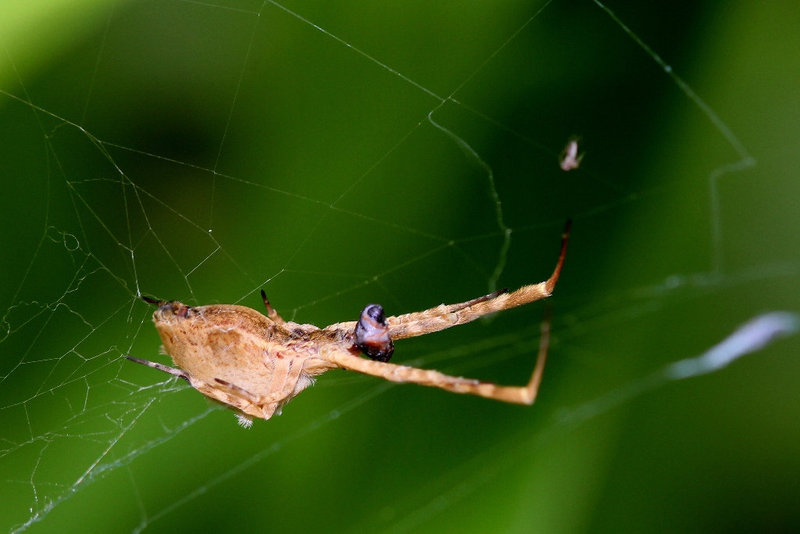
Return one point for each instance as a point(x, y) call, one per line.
point(337, 154)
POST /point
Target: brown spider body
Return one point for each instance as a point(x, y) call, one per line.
point(240, 357)
point(255, 363)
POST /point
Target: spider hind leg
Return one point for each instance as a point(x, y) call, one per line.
point(233, 389)
point(161, 367)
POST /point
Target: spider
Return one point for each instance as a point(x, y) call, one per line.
point(255, 363)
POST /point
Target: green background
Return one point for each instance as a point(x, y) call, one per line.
point(337, 154)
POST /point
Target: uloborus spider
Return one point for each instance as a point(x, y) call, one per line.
point(255, 363)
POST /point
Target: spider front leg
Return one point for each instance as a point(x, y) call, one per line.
point(399, 373)
point(446, 316)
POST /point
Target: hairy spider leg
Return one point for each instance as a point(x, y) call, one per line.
point(446, 316)
point(399, 373)
point(235, 390)
point(494, 294)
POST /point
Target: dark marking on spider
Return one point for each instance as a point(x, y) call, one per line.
point(372, 334)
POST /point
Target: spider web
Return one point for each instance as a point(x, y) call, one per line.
point(406, 155)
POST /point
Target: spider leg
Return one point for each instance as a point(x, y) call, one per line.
point(283, 387)
point(271, 313)
point(494, 294)
point(151, 300)
point(236, 390)
point(286, 383)
point(161, 367)
point(446, 316)
point(399, 373)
